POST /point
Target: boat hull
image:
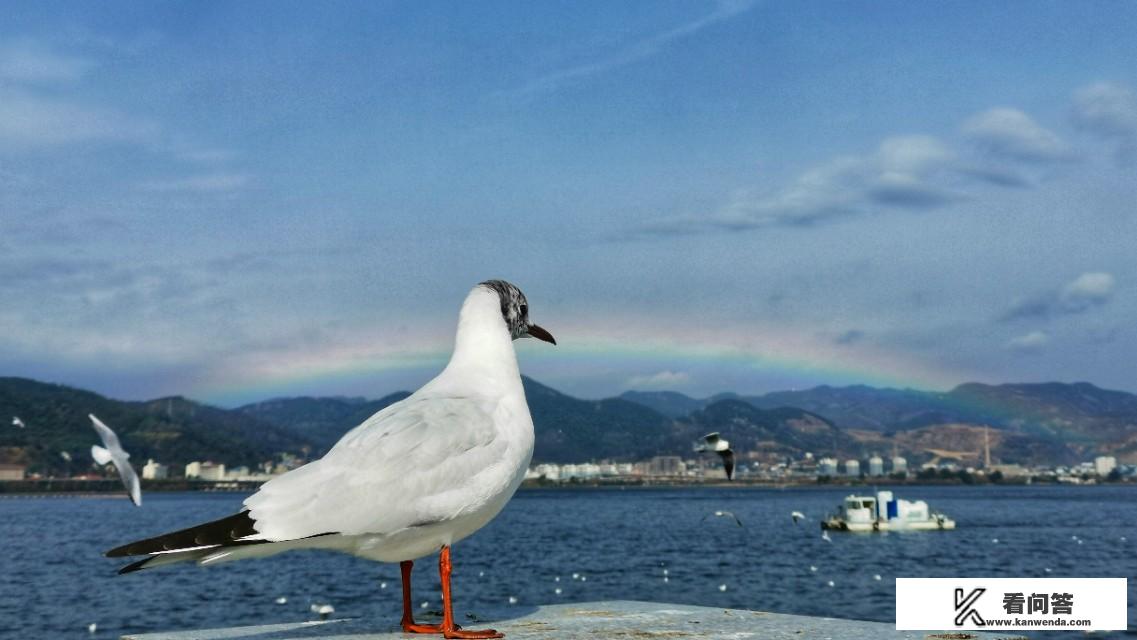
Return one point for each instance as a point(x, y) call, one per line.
point(937, 524)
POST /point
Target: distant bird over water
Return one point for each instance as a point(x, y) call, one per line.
point(410, 481)
point(797, 515)
point(121, 459)
point(723, 514)
point(16, 422)
point(715, 444)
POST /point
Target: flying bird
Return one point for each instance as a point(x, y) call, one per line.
point(113, 452)
point(16, 422)
point(714, 444)
point(797, 515)
point(722, 514)
point(411, 480)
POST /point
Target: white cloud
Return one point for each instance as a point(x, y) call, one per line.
point(25, 61)
point(1029, 343)
point(1110, 111)
point(216, 182)
point(29, 121)
point(915, 155)
point(637, 51)
point(1088, 290)
point(660, 380)
point(902, 173)
point(1011, 133)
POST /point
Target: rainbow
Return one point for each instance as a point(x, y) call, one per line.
point(375, 360)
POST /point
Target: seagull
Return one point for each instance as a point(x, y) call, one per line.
point(411, 480)
point(16, 422)
point(825, 536)
point(65, 455)
point(322, 610)
point(113, 453)
point(797, 515)
point(714, 444)
point(722, 514)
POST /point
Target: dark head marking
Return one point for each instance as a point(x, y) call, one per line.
point(514, 307)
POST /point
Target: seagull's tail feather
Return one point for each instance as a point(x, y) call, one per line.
point(162, 559)
point(223, 532)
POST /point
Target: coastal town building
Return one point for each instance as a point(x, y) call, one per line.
point(876, 466)
point(1103, 465)
point(12, 471)
point(155, 471)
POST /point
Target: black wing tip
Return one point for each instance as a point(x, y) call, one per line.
point(134, 566)
point(218, 532)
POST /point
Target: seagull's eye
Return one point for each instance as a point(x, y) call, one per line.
point(524, 310)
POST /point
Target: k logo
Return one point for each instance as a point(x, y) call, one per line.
point(965, 607)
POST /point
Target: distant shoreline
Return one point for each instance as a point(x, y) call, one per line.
point(105, 488)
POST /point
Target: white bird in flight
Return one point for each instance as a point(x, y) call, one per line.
point(16, 422)
point(113, 453)
point(412, 480)
point(797, 515)
point(715, 444)
point(723, 514)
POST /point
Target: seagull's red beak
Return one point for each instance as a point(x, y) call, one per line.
point(540, 334)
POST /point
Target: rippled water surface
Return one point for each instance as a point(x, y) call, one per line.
point(619, 543)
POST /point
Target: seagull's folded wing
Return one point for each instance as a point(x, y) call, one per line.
point(417, 462)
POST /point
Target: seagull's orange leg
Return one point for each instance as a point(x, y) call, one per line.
point(449, 629)
point(408, 620)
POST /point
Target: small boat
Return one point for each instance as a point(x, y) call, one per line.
point(882, 512)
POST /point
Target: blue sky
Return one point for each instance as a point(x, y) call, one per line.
point(237, 201)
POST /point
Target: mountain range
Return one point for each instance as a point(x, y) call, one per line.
point(1024, 423)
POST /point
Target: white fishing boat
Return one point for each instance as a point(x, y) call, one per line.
point(882, 512)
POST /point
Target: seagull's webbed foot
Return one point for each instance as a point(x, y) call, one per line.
point(410, 626)
point(463, 633)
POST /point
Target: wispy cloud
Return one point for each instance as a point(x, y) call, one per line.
point(26, 61)
point(904, 173)
point(637, 51)
point(1010, 133)
point(1085, 292)
point(1109, 111)
point(998, 147)
point(1032, 342)
point(209, 183)
point(666, 379)
point(28, 121)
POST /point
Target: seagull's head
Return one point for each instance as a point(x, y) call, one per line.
point(515, 311)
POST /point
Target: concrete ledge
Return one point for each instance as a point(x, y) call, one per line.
point(614, 619)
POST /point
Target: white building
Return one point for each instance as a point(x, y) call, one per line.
point(205, 471)
point(154, 471)
point(853, 468)
point(1103, 465)
point(549, 471)
point(12, 471)
point(876, 466)
point(899, 465)
point(827, 467)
